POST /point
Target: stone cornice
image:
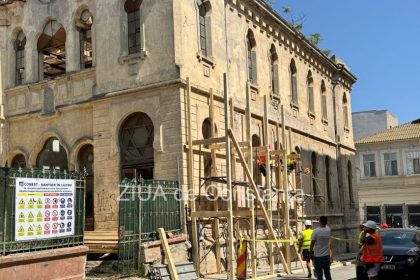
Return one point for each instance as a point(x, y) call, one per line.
point(270, 22)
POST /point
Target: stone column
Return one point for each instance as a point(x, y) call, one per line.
point(405, 215)
point(72, 50)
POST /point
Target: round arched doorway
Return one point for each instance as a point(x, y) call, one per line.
point(85, 165)
point(136, 145)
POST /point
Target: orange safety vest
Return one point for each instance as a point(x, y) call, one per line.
point(372, 253)
point(261, 160)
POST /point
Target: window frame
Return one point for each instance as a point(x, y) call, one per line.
point(346, 119)
point(310, 94)
point(251, 58)
point(274, 72)
point(85, 29)
point(405, 160)
point(293, 78)
point(383, 162)
point(133, 15)
point(19, 47)
point(362, 164)
point(202, 28)
point(324, 102)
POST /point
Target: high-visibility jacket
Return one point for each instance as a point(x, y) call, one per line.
point(373, 253)
point(360, 238)
point(306, 234)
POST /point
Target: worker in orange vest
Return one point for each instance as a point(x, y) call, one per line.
point(372, 252)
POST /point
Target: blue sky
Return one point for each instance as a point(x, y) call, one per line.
point(380, 42)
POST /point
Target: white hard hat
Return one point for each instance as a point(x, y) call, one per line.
point(370, 224)
point(308, 223)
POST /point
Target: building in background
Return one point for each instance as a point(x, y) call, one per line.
point(370, 122)
point(388, 176)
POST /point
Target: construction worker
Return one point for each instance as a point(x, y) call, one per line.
point(292, 161)
point(361, 227)
point(262, 165)
point(321, 249)
point(372, 252)
point(304, 244)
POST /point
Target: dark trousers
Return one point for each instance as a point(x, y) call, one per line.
point(322, 266)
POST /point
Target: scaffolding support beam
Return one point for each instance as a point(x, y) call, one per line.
point(231, 242)
point(190, 170)
point(260, 202)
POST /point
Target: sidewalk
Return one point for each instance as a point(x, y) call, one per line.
point(339, 261)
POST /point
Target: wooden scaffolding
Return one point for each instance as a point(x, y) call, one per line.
point(267, 205)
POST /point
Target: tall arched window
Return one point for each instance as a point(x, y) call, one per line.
point(315, 185)
point(350, 181)
point(20, 58)
point(207, 133)
point(52, 51)
point(345, 112)
point(18, 161)
point(256, 142)
point(251, 57)
point(204, 22)
point(274, 70)
point(52, 156)
point(136, 147)
point(310, 86)
point(293, 83)
point(132, 8)
point(328, 178)
point(84, 25)
point(324, 101)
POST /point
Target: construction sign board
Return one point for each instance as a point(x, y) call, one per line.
point(44, 208)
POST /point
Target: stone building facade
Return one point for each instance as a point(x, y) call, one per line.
point(107, 79)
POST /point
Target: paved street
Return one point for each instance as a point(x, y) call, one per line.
point(338, 273)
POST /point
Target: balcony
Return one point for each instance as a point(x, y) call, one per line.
point(46, 95)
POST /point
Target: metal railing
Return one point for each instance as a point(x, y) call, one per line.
point(8, 178)
point(145, 206)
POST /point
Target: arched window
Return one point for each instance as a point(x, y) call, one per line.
point(132, 8)
point(52, 51)
point(324, 101)
point(207, 133)
point(256, 142)
point(274, 70)
point(136, 147)
point(311, 101)
point(345, 112)
point(251, 57)
point(84, 25)
point(52, 156)
point(20, 58)
point(315, 186)
point(328, 177)
point(206, 128)
point(85, 160)
point(204, 21)
point(293, 83)
point(350, 181)
point(18, 161)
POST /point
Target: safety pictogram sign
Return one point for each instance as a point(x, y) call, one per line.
point(44, 208)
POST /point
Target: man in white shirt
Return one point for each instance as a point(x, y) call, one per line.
point(321, 249)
